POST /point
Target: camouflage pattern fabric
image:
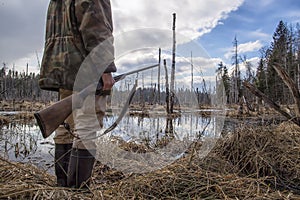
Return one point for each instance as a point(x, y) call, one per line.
point(73, 29)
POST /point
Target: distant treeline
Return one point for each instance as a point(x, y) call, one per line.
point(22, 86)
point(151, 96)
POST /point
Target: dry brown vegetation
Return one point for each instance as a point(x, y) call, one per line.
point(21, 105)
point(249, 163)
point(22, 110)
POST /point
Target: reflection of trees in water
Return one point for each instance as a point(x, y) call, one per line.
point(17, 139)
point(157, 132)
point(168, 136)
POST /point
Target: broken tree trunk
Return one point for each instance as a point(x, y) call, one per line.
point(292, 87)
point(274, 105)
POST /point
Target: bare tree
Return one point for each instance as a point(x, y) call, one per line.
point(158, 76)
point(172, 97)
point(167, 88)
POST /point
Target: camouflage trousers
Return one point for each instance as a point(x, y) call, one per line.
point(83, 122)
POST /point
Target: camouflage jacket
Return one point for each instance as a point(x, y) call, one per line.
point(73, 29)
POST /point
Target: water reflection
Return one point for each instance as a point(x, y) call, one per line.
point(155, 128)
point(141, 144)
point(21, 141)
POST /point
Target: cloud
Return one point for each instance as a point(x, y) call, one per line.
point(251, 62)
point(258, 33)
point(148, 24)
point(244, 48)
point(203, 67)
point(194, 17)
point(22, 28)
point(249, 46)
point(140, 47)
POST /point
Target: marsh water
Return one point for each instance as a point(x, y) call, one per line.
point(22, 141)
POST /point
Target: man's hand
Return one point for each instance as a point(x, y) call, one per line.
point(108, 81)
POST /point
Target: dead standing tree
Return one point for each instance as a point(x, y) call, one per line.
point(167, 88)
point(293, 89)
point(158, 77)
point(172, 96)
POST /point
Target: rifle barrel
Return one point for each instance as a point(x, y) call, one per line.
point(122, 76)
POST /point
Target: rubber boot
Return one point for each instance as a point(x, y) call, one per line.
point(62, 157)
point(80, 168)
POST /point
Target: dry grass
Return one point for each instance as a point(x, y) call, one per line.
point(21, 105)
point(4, 120)
point(266, 152)
point(250, 163)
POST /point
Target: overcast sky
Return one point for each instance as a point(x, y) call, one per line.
point(211, 25)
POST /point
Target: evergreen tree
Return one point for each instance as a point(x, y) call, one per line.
point(222, 72)
point(277, 54)
point(261, 76)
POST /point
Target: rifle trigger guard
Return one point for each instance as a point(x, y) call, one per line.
point(68, 128)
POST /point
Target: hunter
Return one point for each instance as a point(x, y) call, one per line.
point(73, 29)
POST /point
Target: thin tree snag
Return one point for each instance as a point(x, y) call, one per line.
point(292, 87)
point(172, 84)
point(167, 87)
point(274, 105)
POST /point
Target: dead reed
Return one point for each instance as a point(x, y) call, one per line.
point(266, 152)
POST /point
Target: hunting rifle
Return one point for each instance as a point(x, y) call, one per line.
point(51, 117)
